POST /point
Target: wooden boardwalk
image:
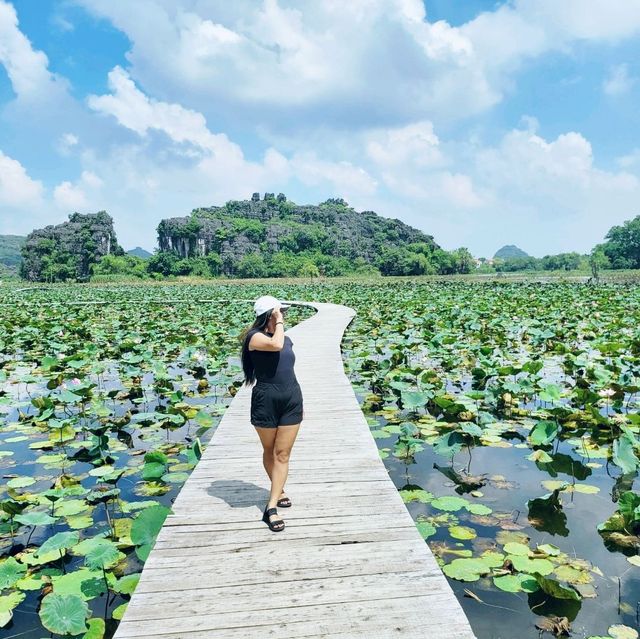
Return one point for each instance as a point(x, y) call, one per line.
point(350, 562)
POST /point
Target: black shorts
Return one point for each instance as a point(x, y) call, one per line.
point(274, 405)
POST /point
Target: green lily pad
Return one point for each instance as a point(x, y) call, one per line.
point(35, 518)
point(514, 548)
point(97, 628)
point(479, 509)
point(466, 569)
point(118, 612)
point(83, 582)
point(571, 575)
point(450, 504)
point(7, 605)
point(530, 566)
point(21, 482)
point(586, 489)
point(145, 528)
point(462, 532)
point(555, 589)
point(67, 507)
point(540, 456)
point(549, 549)
point(426, 529)
point(64, 614)
point(618, 631)
point(519, 582)
point(79, 521)
point(127, 584)
point(102, 554)
point(417, 494)
point(59, 541)
point(10, 572)
point(175, 478)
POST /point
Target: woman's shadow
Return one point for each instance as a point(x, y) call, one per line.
point(237, 493)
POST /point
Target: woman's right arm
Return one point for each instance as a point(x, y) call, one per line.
point(260, 342)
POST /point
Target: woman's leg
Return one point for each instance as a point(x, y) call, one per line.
point(283, 444)
point(267, 439)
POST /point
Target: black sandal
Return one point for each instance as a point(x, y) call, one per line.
point(273, 525)
point(284, 502)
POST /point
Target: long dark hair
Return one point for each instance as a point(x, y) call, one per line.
point(260, 323)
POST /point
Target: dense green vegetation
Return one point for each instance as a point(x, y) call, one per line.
point(559, 262)
point(622, 248)
point(107, 398)
point(10, 257)
point(506, 414)
point(274, 237)
point(68, 251)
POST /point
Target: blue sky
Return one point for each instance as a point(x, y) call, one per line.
point(482, 123)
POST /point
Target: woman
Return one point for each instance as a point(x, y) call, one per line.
point(276, 399)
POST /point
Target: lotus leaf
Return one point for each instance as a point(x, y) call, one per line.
point(450, 504)
point(555, 589)
point(516, 583)
point(10, 572)
point(515, 548)
point(7, 605)
point(619, 631)
point(462, 532)
point(467, 569)
point(64, 614)
point(59, 541)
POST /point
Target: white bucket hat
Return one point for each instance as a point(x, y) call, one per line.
point(266, 303)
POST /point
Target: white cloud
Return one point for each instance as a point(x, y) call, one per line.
point(618, 81)
point(69, 196)
point(83, 195)
point(345, 177)
point(27, 68)
point(460, 190)
point(17, 189)
point(291, 64)
point(414, 144)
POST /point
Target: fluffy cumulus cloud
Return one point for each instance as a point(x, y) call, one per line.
point(27, 68)
point(359, 63)
point(366, 100)
point(355, 62)
point(17, 189)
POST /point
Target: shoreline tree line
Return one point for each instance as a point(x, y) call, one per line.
point(273, 237)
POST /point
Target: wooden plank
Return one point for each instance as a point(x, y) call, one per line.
point(350, 562)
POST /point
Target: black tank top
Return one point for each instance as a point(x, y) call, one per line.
point(274, 367)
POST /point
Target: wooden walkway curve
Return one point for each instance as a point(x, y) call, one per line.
point(350, 562)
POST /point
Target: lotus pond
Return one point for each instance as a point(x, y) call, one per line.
point(506, 414)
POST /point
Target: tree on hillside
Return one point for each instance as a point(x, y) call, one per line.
point(561, 262)
point(597, 261)
point(623, 245)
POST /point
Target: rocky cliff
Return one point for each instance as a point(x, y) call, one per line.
point(10, 256)
point(68, 250)
point(273, 224)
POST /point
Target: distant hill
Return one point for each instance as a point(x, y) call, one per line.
point(140, 252)
point(67, 251)
point(246, 231)
point(10, 256)
point(510, 251)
